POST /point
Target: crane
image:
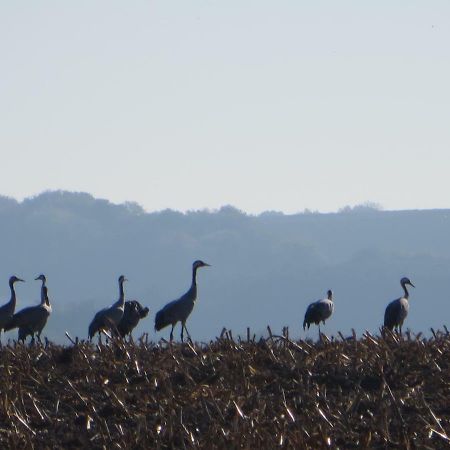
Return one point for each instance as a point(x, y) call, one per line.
point(397, 310)
point(132, 314)
point(7, 310)
point(33, 319)
point(179, 310)
point(109, 317)
point(319, 311)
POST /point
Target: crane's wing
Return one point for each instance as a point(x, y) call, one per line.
point(6, 313)
point(310, 315)
point(97, 322)
point(167, 315)
point(21, 318)
point(391, 314)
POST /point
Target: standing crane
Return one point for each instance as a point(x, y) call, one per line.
point(397, 310)
point(109, 318)
point(179, 310)
point(319, 311)
point(132, 314)
point(7, 310)
point(33, 319)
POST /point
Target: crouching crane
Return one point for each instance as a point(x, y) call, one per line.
point(132, 314)
point(397, 310)
point(33, 319)
point(179, 310)
point(319, 311)
point(110, 317)
point(7, 310)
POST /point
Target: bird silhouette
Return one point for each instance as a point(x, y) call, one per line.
point(319, 311)
point(179, 310)
point(397, 310)
point(109, 318)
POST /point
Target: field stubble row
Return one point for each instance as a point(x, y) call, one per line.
point(370, 392)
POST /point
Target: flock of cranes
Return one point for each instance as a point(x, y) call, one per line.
point(394, 315)
point(29, 320)
point(122, 316)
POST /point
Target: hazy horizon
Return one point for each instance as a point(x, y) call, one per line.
point(265, 269)
point(369, 205)
point(263, 105)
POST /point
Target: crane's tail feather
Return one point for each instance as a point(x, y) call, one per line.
point(389, 322)
point(23, 333)
point(161, 320)
point(94, 327)
point(13, 323)
point(308, 318)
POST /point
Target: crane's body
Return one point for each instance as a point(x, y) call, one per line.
point(132, 314)
point(180, 309)
point(319, 311)
point(7, 310)
point(33, 319)
point(397, 310)
point(108, 318)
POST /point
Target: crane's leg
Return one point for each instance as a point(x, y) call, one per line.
point(171, 333)
point(187, 332)
point(22, 335)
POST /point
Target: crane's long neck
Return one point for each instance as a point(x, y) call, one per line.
point(193, 288)
point(406, 291)
point(43, 293)
point(12, 301)
point(194, 277)
point(121, 300)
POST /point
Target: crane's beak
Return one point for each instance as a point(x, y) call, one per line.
point(411, 284)
point(20, 279)
point(206, 265)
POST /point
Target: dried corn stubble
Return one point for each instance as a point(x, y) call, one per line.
point(368, 393)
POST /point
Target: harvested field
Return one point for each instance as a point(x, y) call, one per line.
point(345, 393)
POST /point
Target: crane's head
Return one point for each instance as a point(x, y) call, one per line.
point(330, 294)
point(122, 279)
point(137, 308)
point(199, 263)
point(143, 312)
point(13, 279)
point(41, 277)
point(406, 280)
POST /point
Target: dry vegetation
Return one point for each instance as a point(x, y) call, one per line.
point(345, 393)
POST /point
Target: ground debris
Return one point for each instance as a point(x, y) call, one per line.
point(374, 392)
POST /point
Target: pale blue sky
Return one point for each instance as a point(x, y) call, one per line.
point(265, 105)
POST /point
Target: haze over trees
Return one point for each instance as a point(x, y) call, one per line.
point(265, 269)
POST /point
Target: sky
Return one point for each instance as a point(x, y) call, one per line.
point(264, 105)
